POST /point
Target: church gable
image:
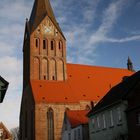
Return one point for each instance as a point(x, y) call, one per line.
point(41, 9)
point(48, 52)
point(46, 28)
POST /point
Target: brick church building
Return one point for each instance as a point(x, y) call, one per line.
point(50, 84)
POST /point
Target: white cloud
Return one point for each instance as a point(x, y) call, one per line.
point(14, 10)
point(90, 10)
point(6, 48)
point(110, 16)
point(123, 40)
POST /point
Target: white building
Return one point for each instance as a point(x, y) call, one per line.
point(108, 119)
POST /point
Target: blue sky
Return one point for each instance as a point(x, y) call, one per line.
point(98, 32)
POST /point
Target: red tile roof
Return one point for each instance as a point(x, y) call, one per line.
point(83, 83)
point(120, 92)
point(77, 117)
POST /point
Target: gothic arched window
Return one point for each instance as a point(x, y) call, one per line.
point(37, 42)
point(44, 44)
point(52, 69)
point(36, 68)
point(52, 45)
point(44, 69)
point(50, 117)
point(60, 70)
point(60, 46)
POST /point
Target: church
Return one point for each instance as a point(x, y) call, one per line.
point(50, 84)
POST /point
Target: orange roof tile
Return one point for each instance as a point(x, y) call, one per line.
point(77, 117)
point(83, 83)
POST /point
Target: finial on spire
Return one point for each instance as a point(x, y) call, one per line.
point(129, 64)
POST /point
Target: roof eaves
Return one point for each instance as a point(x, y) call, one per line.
point(93, 112)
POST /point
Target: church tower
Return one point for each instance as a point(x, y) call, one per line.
point(129, 64)
point(44, 45)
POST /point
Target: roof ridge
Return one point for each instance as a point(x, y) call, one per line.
point(96, 66)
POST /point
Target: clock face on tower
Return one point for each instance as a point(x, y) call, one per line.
point(48, 30)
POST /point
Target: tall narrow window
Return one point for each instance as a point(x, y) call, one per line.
point(98, 122)
point(36, 68)
point(53, 78)
point(69, 136)
point(59, 45)
point(44, 77)
point(44, 69)
point(50, 117)
point(119, 115)
point(111, 119)
point(74, 134)
point(93, 122)
point(104, 121)
point(79, 134)
point(37, 42)
point(52, 45)
point(44, 44)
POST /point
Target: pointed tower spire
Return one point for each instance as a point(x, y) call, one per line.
point(129, 64)
point(45, 47)
point(41, 9)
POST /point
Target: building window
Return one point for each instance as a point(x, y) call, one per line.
point(44, 77)
point(93, 123)
point(52, 45)
point(79, 134)
point(98, 122)
point(111, 119)
point(69, 136)
point(37, 42)
point(138, 118)
point(119, 115)
point(74, 134)
point(44, 44)
point(50, 117)
point(60, 45)
point(104, 121)
point(53, 78)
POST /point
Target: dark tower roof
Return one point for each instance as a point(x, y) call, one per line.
point(41, 9)
point(129, 64)
point(129, 60)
